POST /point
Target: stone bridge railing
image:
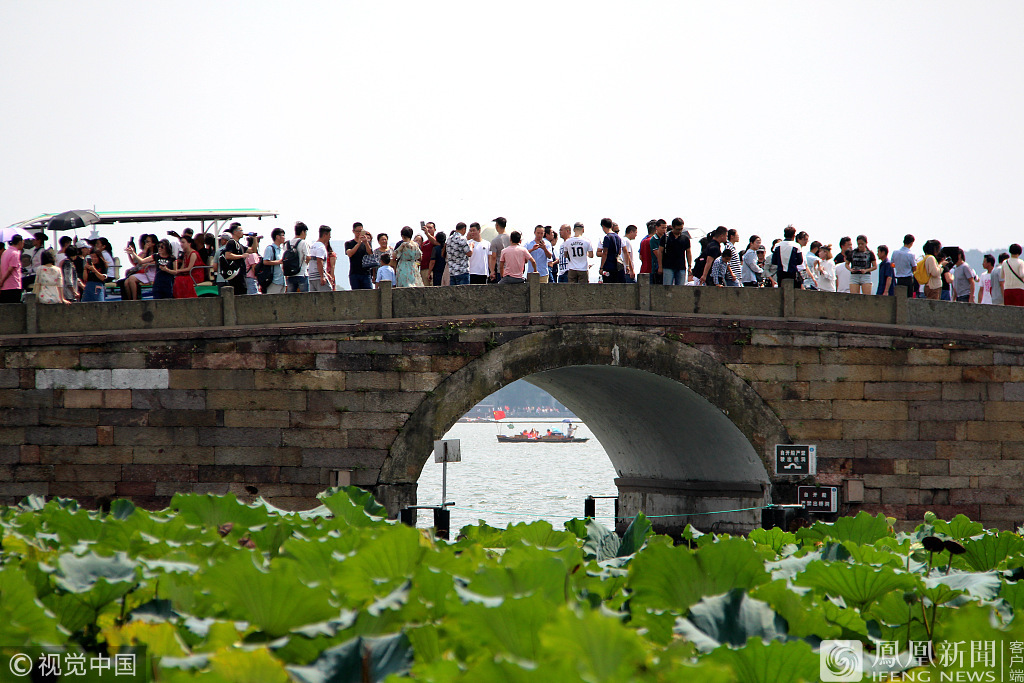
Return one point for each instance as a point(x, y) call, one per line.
point(228, 310)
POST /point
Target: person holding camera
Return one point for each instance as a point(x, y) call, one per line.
point(252, 259)
point(356, 248)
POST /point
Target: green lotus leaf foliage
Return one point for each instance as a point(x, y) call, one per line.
point(666, 578)
point(991, 550)
point(731, 619)
point(601, 543)
point(805, 618)
point(862, 529)
point(214, 511)
point(23, 620)
point(859, 585)
point(598, 648)
point(774, 538)
point(358, 660)
point(221, 591)
point(959, 528)
point(352, 506)
point(774, 662)
point(273, 599)
point(635, 536)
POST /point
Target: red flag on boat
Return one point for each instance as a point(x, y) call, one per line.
point(499, 414)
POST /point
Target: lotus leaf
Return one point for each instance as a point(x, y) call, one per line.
point(601, 542)
point(275, 601)
point(597, 647)
point(855, 583)
point(636, 534)
point(731, 619)
point(774, 662)
point(992, 550)
point(664, 578)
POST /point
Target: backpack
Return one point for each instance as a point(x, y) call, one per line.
point(264, 275)
point(290, 264)
point(701, 262)
point(229, 269)
point(921, 273)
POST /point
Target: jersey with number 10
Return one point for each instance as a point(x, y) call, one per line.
point(577, 248)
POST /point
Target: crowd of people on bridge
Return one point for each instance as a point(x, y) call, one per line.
point(174, 266)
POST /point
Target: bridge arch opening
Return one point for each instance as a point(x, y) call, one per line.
point(686, 436)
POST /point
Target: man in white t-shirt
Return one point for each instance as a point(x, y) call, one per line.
point(479, 260)
point(842, 272)
point(318, 263)
point(565, 232)
point(627, 253)
point(578, 249)
point(985, 284)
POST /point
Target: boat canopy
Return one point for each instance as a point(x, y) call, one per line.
point(216, 217)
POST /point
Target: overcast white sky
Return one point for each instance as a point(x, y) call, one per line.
point(838, 117)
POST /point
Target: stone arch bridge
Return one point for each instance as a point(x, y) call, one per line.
point(913, 405)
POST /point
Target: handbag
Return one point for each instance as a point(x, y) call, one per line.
point(371, 261)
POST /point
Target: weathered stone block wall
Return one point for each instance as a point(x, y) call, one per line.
point(272, 417)
point(925, 424)
point(923, 419)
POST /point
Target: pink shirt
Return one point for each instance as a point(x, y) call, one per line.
point(514, 257)
point(11, 260)
point(250, 262)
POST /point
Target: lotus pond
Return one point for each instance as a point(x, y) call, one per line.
point(215, 590)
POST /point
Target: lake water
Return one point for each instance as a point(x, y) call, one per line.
point(508, 483)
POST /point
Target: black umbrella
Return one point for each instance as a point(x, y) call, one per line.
point(72, 220)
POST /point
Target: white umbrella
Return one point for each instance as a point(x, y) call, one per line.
point(7, 234)
point(488, 233)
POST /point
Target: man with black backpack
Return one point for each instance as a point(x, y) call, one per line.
point(710, 249)
point(269, 273)
point(294, 260)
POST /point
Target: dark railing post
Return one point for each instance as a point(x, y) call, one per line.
point(407, 516)
point(442, 522)
point(590, 507)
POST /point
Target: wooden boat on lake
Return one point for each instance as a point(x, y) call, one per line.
point(549, 436)
point(543, 438)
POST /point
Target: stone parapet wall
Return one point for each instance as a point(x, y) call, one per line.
point(479, 300)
